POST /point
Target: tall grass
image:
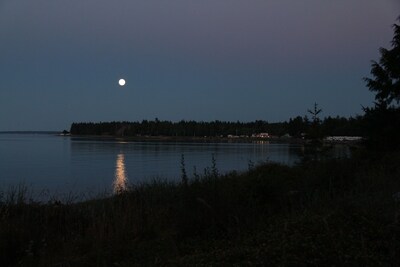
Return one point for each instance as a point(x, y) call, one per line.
point(341, 212)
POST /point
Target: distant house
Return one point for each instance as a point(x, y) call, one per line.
point(343, 138)
point(260, 135)
point(65, 133)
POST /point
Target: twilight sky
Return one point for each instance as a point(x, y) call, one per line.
point(60, 61)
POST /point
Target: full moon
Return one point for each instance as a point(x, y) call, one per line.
point(121, 82)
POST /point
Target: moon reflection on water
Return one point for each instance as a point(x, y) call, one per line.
point(121, 178)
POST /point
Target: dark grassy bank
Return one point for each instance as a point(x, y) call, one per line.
point(328, 213)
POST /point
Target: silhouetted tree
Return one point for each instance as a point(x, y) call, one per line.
point(314, 113)
point(297, 126)
point(383, 121)
point(386, 73)
point(314, 131)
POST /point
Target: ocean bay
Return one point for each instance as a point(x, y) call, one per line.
point(64, 164)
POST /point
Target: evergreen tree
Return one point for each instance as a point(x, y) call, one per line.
point(314, 132)
point(386, 73)
point(383, 121)
point(314, 113)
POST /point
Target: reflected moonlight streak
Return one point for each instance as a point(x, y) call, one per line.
point(121, 179)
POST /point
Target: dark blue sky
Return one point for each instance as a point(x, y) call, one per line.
point(184, 59)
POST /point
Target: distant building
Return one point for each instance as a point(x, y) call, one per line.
point(260, 135)
point(343, 138)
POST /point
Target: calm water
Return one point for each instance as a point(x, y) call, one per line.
point(65, 164)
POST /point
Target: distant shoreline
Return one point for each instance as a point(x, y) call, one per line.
point(172, 138)
point(276, 140)
point(30, 132)
point(207, 139)
point(185, 139)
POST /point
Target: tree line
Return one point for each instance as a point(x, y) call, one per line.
point(295, 127)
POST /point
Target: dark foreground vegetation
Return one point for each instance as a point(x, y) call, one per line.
point(337, 212)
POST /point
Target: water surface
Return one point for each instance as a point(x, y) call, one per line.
point(66, 164)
